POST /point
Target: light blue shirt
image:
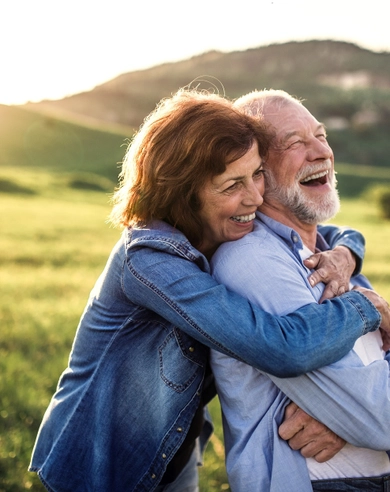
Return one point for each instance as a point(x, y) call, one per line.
point(351, 399)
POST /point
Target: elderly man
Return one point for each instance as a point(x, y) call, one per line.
point(352, 396)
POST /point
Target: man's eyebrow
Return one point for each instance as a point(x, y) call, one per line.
point(288, 135)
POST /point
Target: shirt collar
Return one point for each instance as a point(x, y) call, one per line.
point(290, 235)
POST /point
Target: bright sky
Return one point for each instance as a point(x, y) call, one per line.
point(54, 48)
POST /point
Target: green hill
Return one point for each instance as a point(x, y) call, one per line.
point(326, 74)
point(89, 157)
point(345, 86)
point(33, 140)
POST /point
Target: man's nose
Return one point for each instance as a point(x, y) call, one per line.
point(319, 149)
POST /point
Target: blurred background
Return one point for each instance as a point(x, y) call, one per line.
point(78, 78)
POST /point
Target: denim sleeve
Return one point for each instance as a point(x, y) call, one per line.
point(313, 336)
point(343, 236)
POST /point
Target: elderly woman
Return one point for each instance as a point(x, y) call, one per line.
point(128, 410)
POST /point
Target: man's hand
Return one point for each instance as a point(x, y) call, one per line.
point(310, 437)
point(335, 268)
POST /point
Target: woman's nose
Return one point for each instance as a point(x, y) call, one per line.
point(254, 195)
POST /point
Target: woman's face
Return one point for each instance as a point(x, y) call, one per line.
point(230, 200)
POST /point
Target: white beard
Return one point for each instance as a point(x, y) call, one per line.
point(307, 210)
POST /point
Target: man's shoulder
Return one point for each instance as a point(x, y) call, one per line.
point(253, 241)
point(260, 250)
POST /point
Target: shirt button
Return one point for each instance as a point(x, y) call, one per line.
point(295, 239)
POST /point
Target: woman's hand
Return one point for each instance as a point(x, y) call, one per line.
point(333, 267)
point(310, 437)
point(383, 307)
point(385, 340)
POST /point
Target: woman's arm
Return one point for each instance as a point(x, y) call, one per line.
point(178, 290)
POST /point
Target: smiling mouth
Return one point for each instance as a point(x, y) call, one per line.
point(316, 179)
point(243, 219)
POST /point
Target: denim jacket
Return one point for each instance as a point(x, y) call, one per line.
point(136, 371)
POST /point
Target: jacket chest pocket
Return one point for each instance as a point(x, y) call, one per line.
point(181, 362)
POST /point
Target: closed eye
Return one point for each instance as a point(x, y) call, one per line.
point(294, 144)
point(259, 173)
point(232, 187)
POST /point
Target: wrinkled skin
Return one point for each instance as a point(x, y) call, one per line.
point(310, 437)
point(383, 307)
point(335, 268)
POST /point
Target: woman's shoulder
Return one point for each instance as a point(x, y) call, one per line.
point(160, 236)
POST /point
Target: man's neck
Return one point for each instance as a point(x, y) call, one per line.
point(308, 232)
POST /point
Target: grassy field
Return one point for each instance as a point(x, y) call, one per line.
point(54, 243)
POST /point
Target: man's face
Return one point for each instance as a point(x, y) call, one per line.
point(300, 179)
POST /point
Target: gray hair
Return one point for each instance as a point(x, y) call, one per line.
point(256, 103)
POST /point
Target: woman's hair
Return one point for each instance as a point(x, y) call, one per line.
point(185, 141)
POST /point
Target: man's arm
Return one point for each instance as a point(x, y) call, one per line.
point(351, 399)
point(336, 395)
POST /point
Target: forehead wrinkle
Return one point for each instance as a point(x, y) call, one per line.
point(294, 133)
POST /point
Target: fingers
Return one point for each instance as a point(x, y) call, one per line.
point(316, 277)
point(312, 261)
point(333, 289)
point(322, 454)
point(381, 304)
point(292, 423)
point(385, 340)
point(310, 437)
point(333, 268)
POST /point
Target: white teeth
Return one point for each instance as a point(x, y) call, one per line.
point(244, 218)
point(314, 176)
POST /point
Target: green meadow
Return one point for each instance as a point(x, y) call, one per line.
point(54, 243)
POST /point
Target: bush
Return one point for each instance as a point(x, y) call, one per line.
point(89, 181)
point(380, 194)
point(8, 186)
point(384, 203)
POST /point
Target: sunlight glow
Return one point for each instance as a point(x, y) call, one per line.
point(51, 49)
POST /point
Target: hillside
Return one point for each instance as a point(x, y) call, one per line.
point(325, 73)
point(344, 85)
point(33, 140)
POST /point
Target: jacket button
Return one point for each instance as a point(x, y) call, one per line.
point(191, 349)
point(153, 476)
point(164, 456)
point(179, 429)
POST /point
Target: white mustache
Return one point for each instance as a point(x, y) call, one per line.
point(315, 168)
